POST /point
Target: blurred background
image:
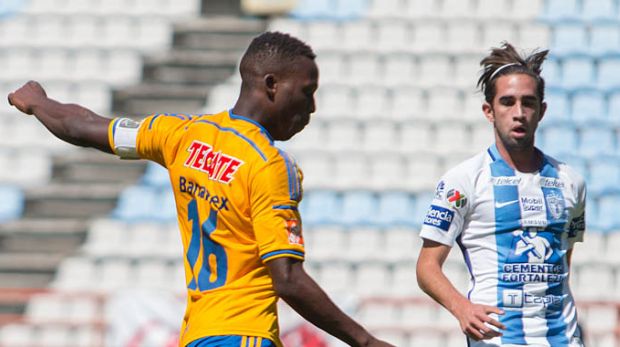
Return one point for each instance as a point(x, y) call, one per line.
point(89, 248)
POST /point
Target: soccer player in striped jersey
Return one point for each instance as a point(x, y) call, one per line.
point(515, 213)
point(237, 196)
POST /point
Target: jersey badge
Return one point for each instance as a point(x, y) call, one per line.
point(456, 198)
point(555, 205)
point(439, 190)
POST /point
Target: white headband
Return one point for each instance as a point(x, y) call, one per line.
point(500, 69)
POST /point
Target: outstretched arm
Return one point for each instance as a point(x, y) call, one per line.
point(473, 318)
point(69, 122)
point(305, 296)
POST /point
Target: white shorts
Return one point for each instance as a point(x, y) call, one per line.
point(496, 342)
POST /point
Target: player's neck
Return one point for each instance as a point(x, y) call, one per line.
point(526, 160)
point(248, 108)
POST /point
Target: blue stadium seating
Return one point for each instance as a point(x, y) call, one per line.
point(589, 105)
point(558, 138)
point(558, 106)
point(604, 38)
point(609, 72)
point(359, 208)
point(569, 38)
point(420, 206)
point(604, 172)
point(12, 205)
point(556, 10)
point(136, 203)
point(578, 72)
point(10, 7)
point(596, 10)
point(596, 139)
point(395, 208)
point(156, 176)
point(313, 9)
point(321, 207)
point(607, 218)
point(613, 106)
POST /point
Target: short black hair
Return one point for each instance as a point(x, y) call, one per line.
point(273, 48)
point(506, 60)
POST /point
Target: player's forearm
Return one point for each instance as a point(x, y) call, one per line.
point(73, 124)
point(433, 282)
point(312, 303)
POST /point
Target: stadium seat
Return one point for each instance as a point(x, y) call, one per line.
point(321, 207)
point(451, 9)
point(423, 173)
point(313, 9)
point(453, 138)
point(604, 38)
point(323, 35)
point(597, 10)
point(613, 104)
point(393, 35)
point(466, 69)
point(350, 9)
point(407, 103)
point(496, 32)
point(334, 101)
point(384, 9)
point(402, 243)
point(445, 103)
point(115, 274)
point(336, 278)
point(596, 139)
point(428, 37)
point(399, 69)
point(358, 208)
point(556, 10)
point(492, 9)
point(558, 106)
point(155, 176)
point(370, 278)
point(352, 171)
point(106, 237)
point(17, 335)
point(387, 172)
point(482, 135)
point(404, 281)
point(607, 217)
point(365, 244)
point(46, 307)
point(357, 35)
point(374, 314)
point(136, 203)
point(569, 38)
point(533, 35)
point(552, 73)
point(558, 139)
point(371, 102)
point(578, 72)
point(395, 209)
point(318, 170)
point(608, 72)
point(76, 273)
point(421, 204)
point(589, 106)
point(416, 137)
point(435, 70)
point(342, 135)
point(12, 205)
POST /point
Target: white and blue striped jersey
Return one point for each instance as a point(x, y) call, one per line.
point(514, 230)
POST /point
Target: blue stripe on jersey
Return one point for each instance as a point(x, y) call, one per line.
point(286, 251)
point(114, 127)
point(507, 220)
point(153, 120)
point(234, 131)
point(293, 178)
point(229, 341)
point(262, 128)
point(557, 219)
point(285, 207)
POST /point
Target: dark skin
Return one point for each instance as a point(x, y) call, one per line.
point(282, 103)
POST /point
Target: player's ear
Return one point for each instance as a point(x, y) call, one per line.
point(271, 85)
point(543, 109)
point(487, 109)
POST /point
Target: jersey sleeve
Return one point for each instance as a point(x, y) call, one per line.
point(445, 217)
point(275, 196)
point(155, 138)
point(577, 225)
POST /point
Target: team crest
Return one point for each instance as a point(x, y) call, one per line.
point(293, 228)
point(555, 205)
point(456, 198)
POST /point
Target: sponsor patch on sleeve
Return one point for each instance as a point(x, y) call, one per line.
point(439, 217)
point(577, 225)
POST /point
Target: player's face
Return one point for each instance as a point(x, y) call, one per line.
point(516, 111)
point(295, 97)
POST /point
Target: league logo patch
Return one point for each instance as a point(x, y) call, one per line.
point(439, 190)
point(555, 205)
point(456, 198)
point(293, 228)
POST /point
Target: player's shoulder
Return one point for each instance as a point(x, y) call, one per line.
point(566, 171)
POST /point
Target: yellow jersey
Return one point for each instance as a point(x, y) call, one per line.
point(237, 199)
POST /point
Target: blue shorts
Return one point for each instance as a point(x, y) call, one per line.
point(232, 341)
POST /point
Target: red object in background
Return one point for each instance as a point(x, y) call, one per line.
point(304, 335)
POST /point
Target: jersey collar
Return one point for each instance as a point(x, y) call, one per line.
point(243, 118)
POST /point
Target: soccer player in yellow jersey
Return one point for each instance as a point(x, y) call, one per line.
point(237, 195)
